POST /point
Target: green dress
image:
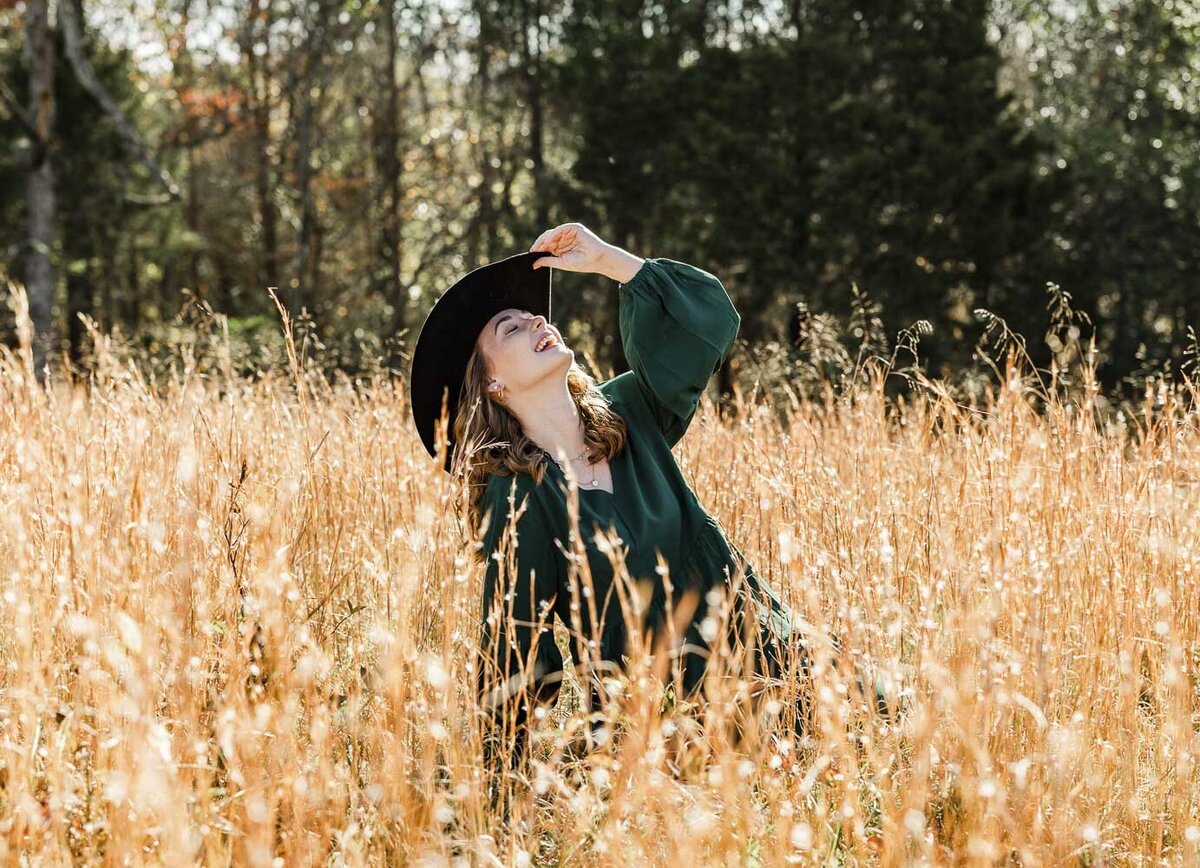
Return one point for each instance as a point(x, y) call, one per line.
point(677, 326)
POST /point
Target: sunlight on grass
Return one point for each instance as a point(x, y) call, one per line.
point(238, 621)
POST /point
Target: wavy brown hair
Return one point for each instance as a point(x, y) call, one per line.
point(489, 439)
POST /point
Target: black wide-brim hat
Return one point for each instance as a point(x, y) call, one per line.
point(447, 337)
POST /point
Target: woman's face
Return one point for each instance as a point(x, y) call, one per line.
point(509, 342)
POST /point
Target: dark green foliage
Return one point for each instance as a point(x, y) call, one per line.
point(859, 174)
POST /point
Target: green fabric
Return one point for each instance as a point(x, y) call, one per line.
point(677, 326)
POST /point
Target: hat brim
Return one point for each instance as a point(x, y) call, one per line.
point(448, 335)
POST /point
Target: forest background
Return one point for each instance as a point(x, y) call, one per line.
point(861, 175)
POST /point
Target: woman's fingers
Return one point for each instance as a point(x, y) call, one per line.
point(544, 240)
point(573, 247)
point(565, 236)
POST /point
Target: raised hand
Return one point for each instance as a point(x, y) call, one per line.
point(574, 247)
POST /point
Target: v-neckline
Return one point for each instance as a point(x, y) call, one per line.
point(613, 468)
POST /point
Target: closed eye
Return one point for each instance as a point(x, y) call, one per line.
point(511, 330)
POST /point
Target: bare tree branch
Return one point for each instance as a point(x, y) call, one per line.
point(68, 16)
point(17, 111)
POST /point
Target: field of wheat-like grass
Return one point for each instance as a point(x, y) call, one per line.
point(237, 623)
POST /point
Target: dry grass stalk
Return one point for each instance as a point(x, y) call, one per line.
point(236, 623)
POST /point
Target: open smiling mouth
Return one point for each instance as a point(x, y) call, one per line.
point(545, 343)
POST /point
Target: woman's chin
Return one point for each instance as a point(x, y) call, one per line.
point(558, 351)
point(559, 360)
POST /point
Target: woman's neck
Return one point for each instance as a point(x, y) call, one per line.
point(551, 420)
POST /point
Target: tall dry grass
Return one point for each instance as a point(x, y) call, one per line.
point(237, 624)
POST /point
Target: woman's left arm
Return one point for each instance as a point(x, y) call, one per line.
point(678, 326)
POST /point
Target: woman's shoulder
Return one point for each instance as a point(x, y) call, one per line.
point(623, 395)
point(626, 397)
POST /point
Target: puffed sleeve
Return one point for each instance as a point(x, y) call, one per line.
point(677, 326)
point(519, 662)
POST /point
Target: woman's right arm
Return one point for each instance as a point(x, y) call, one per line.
point(520, 666)
point(677, 322)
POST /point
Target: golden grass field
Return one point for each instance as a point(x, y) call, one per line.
point(238, 626)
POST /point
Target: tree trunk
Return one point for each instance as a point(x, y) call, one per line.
point(531, 43)
point(390, 162)
point(133, 310)
point(260, 94)
point(481, 235)
point(301, 267)
point(183, 75)
point(307, 115)
point(39, 273)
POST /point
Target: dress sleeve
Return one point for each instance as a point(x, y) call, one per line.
point(677, 326)
point(520, 664)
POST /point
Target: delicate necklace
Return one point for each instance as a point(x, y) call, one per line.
point(594, 482)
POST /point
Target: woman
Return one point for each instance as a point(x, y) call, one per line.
point(535, 421)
